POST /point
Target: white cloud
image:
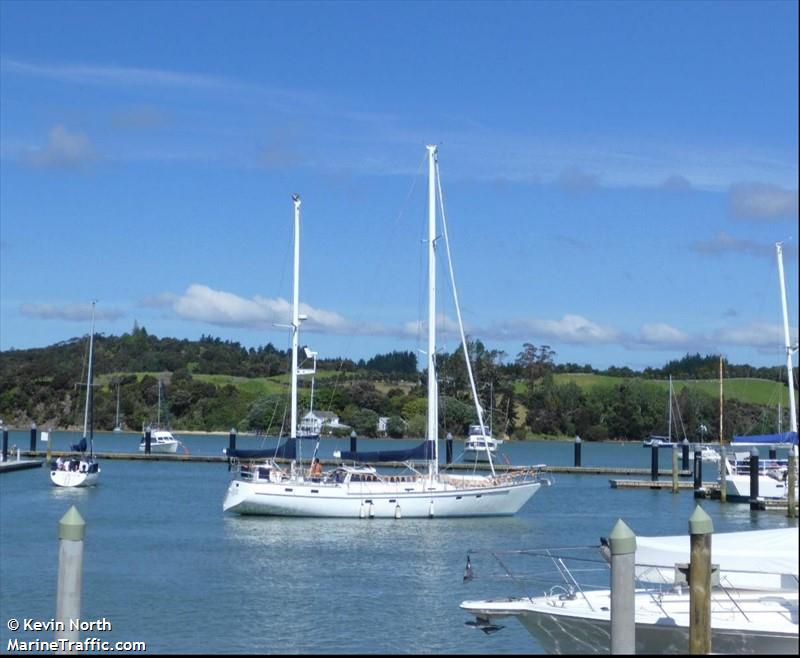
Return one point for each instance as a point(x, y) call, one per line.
point(662, 334)
point(574, 329)
point(725, 243)
point(69, 312)
point(762, 201)
point(64, 150)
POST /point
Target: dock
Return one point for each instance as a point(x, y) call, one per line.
point(20, 465)
point(662, 484)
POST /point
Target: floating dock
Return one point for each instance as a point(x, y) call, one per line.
point(19, 465)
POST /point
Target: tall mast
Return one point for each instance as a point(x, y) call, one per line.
point(89, 383)
point(720, 400)
point(295, 312)
point(788, 341)
point(669, 429)
point(433, 410)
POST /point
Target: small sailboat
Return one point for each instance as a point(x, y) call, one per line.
point(664, 441)
point(117, 426)
point(355, 489)
point(481, 445)
point(80, 469)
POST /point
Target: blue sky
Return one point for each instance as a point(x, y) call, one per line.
point(615, 174)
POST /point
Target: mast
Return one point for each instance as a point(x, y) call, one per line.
point(789, 349)
point(117, 423)
point(433, 411)
point(720, 400)
point(295, 313)
point(669, 429)
point(86, 426)
point(158, 418)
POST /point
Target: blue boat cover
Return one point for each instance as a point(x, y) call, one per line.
point(786, 438)
point(285, 450)
point(422, 452)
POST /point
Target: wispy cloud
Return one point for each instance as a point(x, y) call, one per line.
point(575, 180)
point(69, 312)
point(63, 150)
point(762, 202)
point(660, 334)
point(574, 329)
point(724, 243)
point(676, 183)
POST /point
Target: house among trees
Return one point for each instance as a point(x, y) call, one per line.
point(315, 421)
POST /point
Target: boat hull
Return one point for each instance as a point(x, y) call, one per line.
point(571, 627)
point(375, 500)
point(74, 478)
point(166, 447)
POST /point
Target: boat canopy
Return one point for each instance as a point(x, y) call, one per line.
point(745, 558)
point(783, 438)
point(422, 452)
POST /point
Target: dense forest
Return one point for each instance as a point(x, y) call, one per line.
point(215, 385)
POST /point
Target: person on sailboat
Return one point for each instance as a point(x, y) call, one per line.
point(316, 469)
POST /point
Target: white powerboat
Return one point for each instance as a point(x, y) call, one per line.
point(161, 441)
point(480, 444)
point(754, 608)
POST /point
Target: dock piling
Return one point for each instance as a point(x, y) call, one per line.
point(5, 445)
point(33, 437)
point(675, 482)
point(353, 441)
point(448, 452)
point(685, 454)
point(754, 505)
point(654, 463)
point(147, 440)
point(723, 475)
point(791, 482)
point(231, 445)
point(698, 474)
point(71, 534)
point(622, 543)
point(578, 443)
point(700, 530)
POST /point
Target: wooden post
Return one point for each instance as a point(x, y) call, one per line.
point(654, 463)
point(71, 533)
point(578, 451)
point(723, 474)
point(675, 487)
point(791, 482)
point(622, 543)
point(700, 530)
point(754, 478)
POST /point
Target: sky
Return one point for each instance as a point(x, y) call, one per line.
point(615, 174)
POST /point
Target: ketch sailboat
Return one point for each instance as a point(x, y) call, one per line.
point(359, 490)
point(80, 470)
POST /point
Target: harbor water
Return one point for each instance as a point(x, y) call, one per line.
point(164, 565)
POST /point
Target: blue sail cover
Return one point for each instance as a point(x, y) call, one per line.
point(285, 450)
point(80, 446)
point(422, 452)
point(784, 438)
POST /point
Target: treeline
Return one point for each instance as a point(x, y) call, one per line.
point(520, 398)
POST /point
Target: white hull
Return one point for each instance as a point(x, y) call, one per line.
point(74, 478)
point(737, 488)
point(161, 447)
point(479, 454)
point(760, 622)
point(384, 500)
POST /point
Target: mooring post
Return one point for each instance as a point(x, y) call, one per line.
point(723, 475)
point(754, 504)
point(353, 441)
point(578, 443)
point(231, 445)
point(698, 474)
point(147, 440)
point(622, 543)
point(5, 444)
point(685, 454)
point(773, 453)
point(654, 463)
point(700, 530)
point(71, 533)
point(675, 487)
point(791, 482)
point(33, 437)
point(448, 445)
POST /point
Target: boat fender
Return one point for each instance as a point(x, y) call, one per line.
point(397, 513)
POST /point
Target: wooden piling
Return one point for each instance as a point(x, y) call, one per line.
point(700, 530)
point(71, 534)
point(791, 482)
point(622, 543)
point(675, 484)
point(723, 474)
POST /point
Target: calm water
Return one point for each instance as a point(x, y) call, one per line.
point(166, 566)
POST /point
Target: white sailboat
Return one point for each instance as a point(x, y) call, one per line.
point(80, 470)
point(773, 473)
point(161, 438)
point(754, 606)
point(481, 445)
point(117, 426)
point(665, 441)
point(360, 491)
